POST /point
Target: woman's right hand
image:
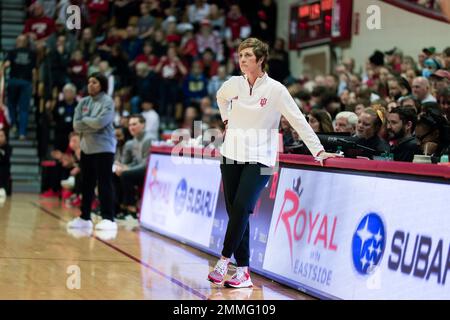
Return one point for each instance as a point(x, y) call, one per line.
point(326, 155)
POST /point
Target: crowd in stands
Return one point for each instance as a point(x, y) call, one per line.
point(398, 105)
point(165, 60)
point(429, 4)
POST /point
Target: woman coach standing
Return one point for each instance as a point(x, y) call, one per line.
point(93, 119)
point(251, 107)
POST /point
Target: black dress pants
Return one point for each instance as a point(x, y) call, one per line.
point(242, 184)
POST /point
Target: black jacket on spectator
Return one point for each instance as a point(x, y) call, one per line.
point(147, 88)
point(122, 13)
point(279, 65)
point(58, 65)
point(23, 61)
point(159, 49)
point(405, 149)
point(379, 145)
point(121, 70)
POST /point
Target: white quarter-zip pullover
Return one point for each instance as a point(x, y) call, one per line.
point(253, 115)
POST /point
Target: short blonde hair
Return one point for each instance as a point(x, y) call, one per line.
point(260, 49)
point(378, 112)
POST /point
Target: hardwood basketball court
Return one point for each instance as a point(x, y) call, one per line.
point(39, 259)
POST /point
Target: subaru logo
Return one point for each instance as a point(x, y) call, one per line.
point(368, 244)
point(180, 196)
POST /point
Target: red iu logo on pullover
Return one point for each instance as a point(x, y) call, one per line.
point(262, 102)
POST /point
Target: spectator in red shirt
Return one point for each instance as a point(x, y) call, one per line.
point(38, 27)
point(171, 70)
point(98, 12)
point(170, 65)
point(237, 24)
point(147, 56)
point(189, 49)
point(206, 38)
point(171, 31)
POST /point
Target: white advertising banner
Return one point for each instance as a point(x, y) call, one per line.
point(361, 237)
point(180, 199)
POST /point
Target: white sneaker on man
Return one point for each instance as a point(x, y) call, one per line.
point(106, 224)
point(80, 233)
point(106, 235)
point(79, 223)
point(2, 195)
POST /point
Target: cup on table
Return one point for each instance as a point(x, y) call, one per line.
point(420, 158)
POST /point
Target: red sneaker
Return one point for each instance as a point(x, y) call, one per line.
point(241, 279)
point(65, 194)
point(49, 194)
point(220, 270)
point(76, 202)
point(95, 204)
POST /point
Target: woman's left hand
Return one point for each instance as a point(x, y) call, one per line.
point(325, 155)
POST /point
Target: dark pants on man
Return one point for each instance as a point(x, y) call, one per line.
point(52, 175)
point(130, 180)
point(19, 98)
point(242, 184)
point(5, 178)
point(97, 169)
